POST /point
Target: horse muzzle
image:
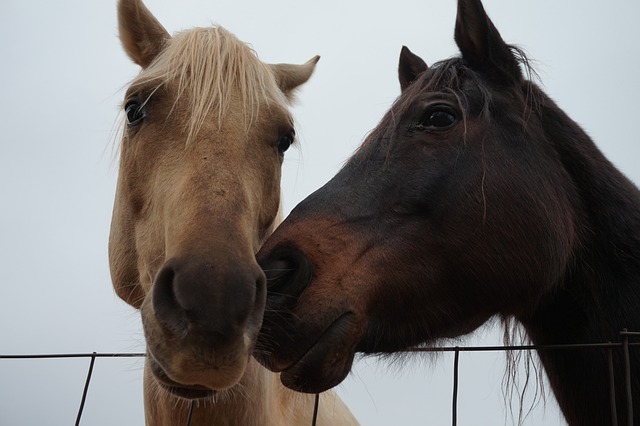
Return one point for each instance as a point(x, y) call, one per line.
point(201, 322)
point(312, 351)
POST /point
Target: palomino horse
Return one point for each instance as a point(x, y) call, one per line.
point(475, 196)
point(198, 192)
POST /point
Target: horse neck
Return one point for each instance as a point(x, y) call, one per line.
point(600, 294)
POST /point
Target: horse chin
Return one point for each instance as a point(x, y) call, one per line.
point(204, 387)
point(177, 389)
point(328, 362)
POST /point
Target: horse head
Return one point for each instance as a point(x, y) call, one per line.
point(455, 208)
point(207, 125)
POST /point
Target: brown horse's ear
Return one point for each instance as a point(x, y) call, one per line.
point(482, 46)
point(290, 76)
point(410, 66)
point(142, 36)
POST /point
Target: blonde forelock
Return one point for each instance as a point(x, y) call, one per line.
point(210, 66)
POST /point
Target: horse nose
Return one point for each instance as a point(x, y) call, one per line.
point(288, 272)
point(207, 300)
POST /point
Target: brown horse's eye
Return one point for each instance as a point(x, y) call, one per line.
point(285, 142)
point(135, 113)
point(442, 119)
point(438, 118)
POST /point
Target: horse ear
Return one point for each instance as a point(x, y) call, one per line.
point(141, 35)
point(290, 76)
point(409, 67)
point(482, 46)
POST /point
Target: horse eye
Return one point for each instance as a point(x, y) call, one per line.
point(135, 113)
point(284, 142)
point(439, 119)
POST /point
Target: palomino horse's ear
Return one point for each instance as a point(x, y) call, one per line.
point(290, 76)
point(482, 46)
point(410, 66)
point(142, 36)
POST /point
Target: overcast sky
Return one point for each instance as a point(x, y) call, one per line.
point(63, 75)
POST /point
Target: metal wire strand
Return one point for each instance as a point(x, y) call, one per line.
point(625, 346)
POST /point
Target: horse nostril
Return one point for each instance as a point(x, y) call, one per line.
point(279, 272)
point(288, 273)
point(165, 304)
point(200, 300)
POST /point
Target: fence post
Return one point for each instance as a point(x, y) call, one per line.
point(316, 404)
point(86, 388)
point(627, 372)
point(454, 408)
point(190, 413)
point(612, 389)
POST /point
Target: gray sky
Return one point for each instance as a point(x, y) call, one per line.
point(63, 74)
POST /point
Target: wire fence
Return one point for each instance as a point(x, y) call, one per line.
point(625, 346)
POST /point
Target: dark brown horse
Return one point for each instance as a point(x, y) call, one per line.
point(475, 196)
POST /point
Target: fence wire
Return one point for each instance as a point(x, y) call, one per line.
point(624, 345)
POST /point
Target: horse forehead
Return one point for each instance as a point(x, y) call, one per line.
point(453, 78)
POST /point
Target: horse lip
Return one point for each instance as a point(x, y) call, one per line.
point(175, 388)
point(189, 392)
point(327, 362)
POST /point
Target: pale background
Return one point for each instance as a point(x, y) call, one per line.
point(62, 74)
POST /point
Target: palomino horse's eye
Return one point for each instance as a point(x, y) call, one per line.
point(135, 113)
point(439, 118)
point(285, 142)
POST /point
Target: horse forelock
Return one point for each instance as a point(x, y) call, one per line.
point(475, 94)
point(211, 67)
point(472, 89)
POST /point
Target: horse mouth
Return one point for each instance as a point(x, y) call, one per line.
point(190, 392)
point(327, 362)
point(178, 389)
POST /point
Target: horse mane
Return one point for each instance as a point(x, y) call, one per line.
point(204, 63)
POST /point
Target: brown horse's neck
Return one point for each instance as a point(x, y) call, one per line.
point(580, 377)
point(600, 295)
